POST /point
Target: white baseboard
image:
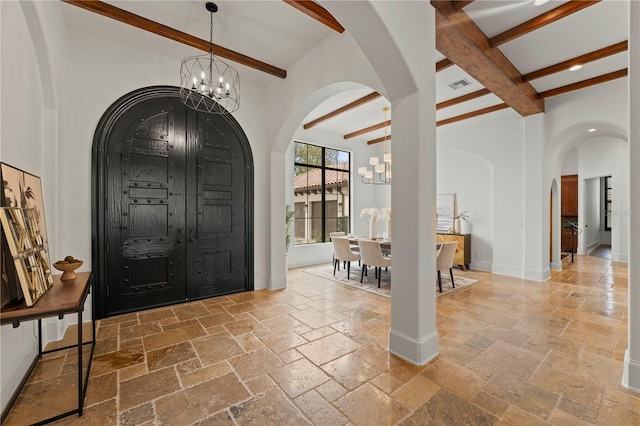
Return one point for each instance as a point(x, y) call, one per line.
point(591, 247)
point(506, 270)
point(537, 275)
point(481, 265)
point(411, 350)
point(555, 266)
point(631, 373)
point(278, 283)
point(620, 257)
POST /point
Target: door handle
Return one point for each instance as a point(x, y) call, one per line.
point(191, 235)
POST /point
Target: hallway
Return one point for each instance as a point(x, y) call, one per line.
point(603, 251)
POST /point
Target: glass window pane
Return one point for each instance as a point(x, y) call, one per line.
point(300, 152)
point(300, 186)
point(314, 155)
point(331, 157)
point(343, 158)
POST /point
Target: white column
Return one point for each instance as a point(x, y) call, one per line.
point(631, 374)
point(413, 335)
point(536, 202)
point(278, 272)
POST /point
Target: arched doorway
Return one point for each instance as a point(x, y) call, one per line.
point(172, 204)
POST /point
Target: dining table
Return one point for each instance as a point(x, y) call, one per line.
point(384, 242)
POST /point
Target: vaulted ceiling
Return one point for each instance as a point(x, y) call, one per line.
point(491, 54)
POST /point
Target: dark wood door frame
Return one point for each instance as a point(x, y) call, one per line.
point(99, 160)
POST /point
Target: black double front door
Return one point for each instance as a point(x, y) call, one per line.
point(177, 200)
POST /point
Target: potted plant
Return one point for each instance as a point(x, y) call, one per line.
point(460, 217)
point(289, 215)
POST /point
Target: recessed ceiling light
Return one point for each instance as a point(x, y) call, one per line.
point(591, 130)
point(575, 67)
point(540, 2)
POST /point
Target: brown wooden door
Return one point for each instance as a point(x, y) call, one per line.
point(569, 192)
point(177, 208)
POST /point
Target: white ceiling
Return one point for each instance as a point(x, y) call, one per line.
point(278, 34)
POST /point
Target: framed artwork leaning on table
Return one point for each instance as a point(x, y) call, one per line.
point(20, 190)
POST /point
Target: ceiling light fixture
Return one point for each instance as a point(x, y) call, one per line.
point(591, 130)
point(540, 2)
point(207, 83)
point(575, 67)
point(381, 173)
point(459, 84)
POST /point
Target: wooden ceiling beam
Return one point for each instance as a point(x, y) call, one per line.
point(472, 114)
point(137, 21)
point(463, 98)
point(317, 12)
point(580, 60)
point(443, 64)
point(584, 83)
point(354, 104)
point(378, 140)
point(459, 4)
point(462, 41)
point(540, 21)
point(368, 129)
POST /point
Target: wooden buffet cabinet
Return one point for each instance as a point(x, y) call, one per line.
point(463, 251)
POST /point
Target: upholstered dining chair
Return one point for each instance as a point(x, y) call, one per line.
point(444, 261)
point(333, 235)
point(342, 252)
point(371, 255)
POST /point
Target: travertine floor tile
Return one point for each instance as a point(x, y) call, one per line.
point(298, 377)
point(368, 405)
point(270, 408)
point(200, 401)
point(445, 408)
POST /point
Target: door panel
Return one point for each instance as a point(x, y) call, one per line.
point(145, 261)
point(217, 233)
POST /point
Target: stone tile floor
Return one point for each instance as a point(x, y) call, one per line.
point(512, 352)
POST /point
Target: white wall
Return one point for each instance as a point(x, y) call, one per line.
point(25, 137)
point(570, 163)
point(591, 223)
point(470, 177)
point(498, 139)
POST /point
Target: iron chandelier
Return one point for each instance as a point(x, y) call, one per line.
point(207, 83)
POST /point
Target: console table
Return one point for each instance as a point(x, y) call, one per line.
point(463, 251)
point(64, 297)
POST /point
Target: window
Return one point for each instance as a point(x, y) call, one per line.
point(321, 192)
point(607, 207)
